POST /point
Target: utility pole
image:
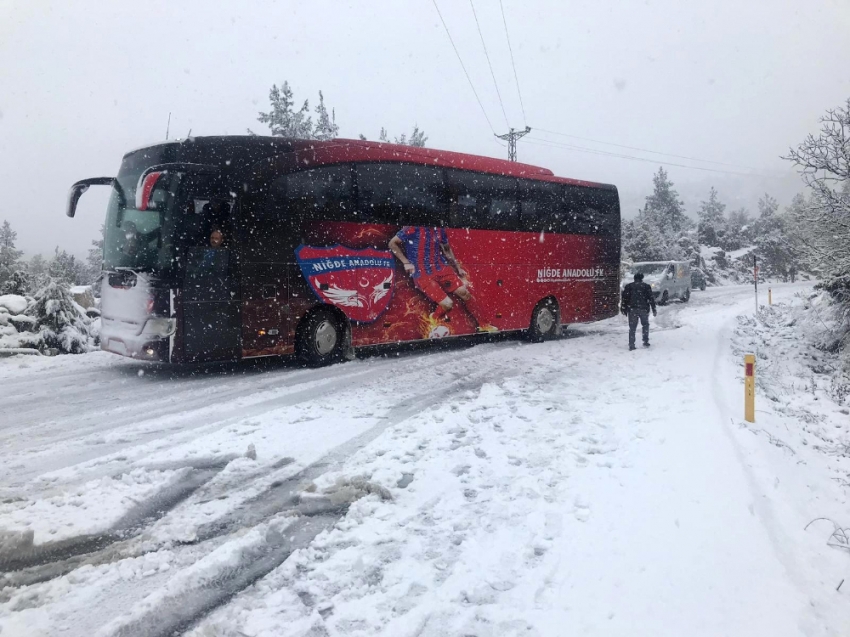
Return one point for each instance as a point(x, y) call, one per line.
point(511, 139)
point(168, 126)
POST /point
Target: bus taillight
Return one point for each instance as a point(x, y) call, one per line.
point(145, 188)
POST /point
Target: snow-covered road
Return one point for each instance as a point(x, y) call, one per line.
point(570, 487)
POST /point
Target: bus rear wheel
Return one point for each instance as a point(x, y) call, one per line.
point(544, 321)
point(321, 339)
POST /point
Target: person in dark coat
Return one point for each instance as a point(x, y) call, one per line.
point(636, 302)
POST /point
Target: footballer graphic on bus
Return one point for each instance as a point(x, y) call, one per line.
point(429, 260)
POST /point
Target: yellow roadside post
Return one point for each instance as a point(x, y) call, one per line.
point(750, 387)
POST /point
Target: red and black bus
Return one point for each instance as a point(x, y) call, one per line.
point(222, 248)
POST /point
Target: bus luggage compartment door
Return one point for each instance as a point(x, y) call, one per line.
point(210, 299)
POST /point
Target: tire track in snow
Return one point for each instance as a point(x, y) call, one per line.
point(172, 415)
point(60, 555)
point(48, 561)
point(178, 613)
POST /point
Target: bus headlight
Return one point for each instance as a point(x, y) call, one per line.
point(159, 327)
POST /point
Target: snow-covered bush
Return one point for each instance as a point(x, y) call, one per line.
point(59, 323)
point(13, 303)
point(13, 320)
point(824, 321)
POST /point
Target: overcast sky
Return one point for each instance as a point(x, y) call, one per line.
point(731, 81)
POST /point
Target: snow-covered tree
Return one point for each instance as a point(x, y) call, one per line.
point(772, 243)
point(417, 137)
point(655, 233)
point(824, 163)
point(664, 208)
point(59, 323)
point(37, 272)
point(19, 283)
point(66, 269)
point(9, 254)
point(94, 259)
point(738, 230)
point(712, 221)
point(283, 120)
point(643, 241)
point(326, 127)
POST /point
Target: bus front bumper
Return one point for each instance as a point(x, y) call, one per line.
point(149, 340)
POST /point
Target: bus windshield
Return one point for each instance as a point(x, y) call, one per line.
point(181, 213)
point(140, 239)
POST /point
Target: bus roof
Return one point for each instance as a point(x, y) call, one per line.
point(354, 150)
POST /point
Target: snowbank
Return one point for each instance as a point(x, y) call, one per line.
point(13, 303)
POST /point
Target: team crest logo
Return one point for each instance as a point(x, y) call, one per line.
point(359, 282)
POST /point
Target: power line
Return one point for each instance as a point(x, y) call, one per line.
point(513, 64)
point(471, 85)
point(487, 55)
point(644, 150)
point(550, 144)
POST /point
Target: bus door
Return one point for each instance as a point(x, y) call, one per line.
point(210, 292)
point(267, 245)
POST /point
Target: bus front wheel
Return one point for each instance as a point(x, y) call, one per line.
point(321, 339)
point(544, 321)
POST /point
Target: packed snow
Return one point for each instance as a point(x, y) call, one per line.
point(570, 487)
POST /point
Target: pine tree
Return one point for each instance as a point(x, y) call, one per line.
point(37, 271)
point(94, 260)
point(59, 323)
point(738, 230)
point(643, 241)
point(282, 119)
point(664, 208)
point(659, 224)
point(9, 255)
point(771, 240)
point(326, 127)
point(18, 283)
point(417, 138)
point(711, 230)
point(66, 269)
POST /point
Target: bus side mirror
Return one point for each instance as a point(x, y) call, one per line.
point(80, 187)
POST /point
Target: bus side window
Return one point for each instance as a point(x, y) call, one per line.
point(464, 194)
point(422, 196)
point(486, 202)
point(529, 219)
point(319, 194)
point(400, 194)
point(502, 211)
point(540, 208)
point(581, 217)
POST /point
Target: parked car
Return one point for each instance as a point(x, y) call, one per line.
point(668, 279)
point(698, 279)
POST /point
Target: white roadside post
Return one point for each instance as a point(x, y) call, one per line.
point(756, 280)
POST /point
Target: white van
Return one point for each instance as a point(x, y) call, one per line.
point(668, 279)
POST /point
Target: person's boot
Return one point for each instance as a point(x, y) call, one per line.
point(632, 348)
point(646, 344)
